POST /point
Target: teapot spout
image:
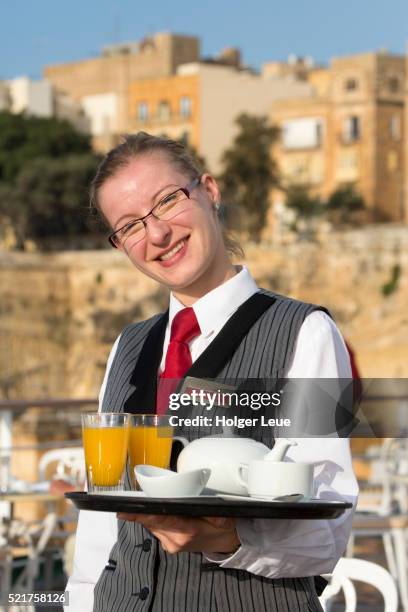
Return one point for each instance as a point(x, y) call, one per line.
point(279, 450)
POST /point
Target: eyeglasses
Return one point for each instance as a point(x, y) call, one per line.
point(168, 207)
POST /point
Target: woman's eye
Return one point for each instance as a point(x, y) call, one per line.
point(170, 199)
point(133, 226)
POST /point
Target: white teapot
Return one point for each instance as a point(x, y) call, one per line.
point(223, 454)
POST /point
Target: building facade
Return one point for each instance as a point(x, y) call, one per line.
point(201, 102)
point(350, 132)
point(163, 86)
point(101, 84)
point(39, 98)
point(405, 140)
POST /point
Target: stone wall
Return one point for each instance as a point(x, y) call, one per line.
point(59, 314)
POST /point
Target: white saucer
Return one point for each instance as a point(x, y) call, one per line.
point(143, 494)
point(119, 493)
point(282, 498)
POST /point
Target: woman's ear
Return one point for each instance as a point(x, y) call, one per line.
point(211, 186)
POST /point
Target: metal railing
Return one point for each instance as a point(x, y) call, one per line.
point(11, 409)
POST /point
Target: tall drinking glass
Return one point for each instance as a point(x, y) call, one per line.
point(150, 441)
point(106, 439)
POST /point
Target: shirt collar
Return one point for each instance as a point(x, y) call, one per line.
point(215, 308)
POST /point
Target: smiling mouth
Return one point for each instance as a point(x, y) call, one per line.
point(173, 251)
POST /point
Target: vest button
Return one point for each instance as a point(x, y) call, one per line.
point(146, 546)
point(144, 593)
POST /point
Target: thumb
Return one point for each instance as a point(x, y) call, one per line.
point(220, 522)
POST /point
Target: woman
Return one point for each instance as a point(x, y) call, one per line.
point(163, 212)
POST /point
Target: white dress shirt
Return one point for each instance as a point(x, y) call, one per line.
point(272, 548)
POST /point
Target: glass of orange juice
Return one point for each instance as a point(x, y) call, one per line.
point(150, 441)
point(105, 438)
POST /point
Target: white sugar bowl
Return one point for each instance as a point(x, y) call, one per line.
point(158, 482)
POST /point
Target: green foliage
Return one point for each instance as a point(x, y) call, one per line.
point(340, 207)
point(25, 138)
point(49, 198)
point(304, 205)
point(45, 170)
point(392, 285)
point(249, 172)
point(343, 203)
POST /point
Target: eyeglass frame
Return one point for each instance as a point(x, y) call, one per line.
point(187, 192)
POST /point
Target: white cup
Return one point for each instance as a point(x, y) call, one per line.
point(269, 479)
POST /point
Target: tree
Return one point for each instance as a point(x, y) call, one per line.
point(45, 170)
point(302, 203)
point(249, 172)
point(25, 138)
point(338, 209)
point(343, 203)
point(49, 198)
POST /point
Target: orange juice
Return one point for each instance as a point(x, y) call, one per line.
point(105, 454)
point(150, 445)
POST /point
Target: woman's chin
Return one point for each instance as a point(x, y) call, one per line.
point(183, 281)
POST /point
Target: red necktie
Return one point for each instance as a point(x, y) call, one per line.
point(184, 328)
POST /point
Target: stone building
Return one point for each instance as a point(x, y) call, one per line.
point(405, 152)
point(39, 98)
point(101, 84)
point(201, 102)
point(162, 85)
point(350, 131)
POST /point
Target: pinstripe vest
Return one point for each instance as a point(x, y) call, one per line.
point(257, 342)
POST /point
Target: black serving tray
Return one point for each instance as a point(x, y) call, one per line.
point(209, 506)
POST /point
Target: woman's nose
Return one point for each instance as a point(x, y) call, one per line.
point(157, 229)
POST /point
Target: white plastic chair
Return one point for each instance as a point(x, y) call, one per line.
point(36, 537)
point(388, 518)
point(347, 570)
point(6, 563)
point(67, 464)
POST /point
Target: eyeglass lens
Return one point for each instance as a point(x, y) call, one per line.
point(168, 207)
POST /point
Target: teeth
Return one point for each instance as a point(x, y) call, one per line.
point(173, 251)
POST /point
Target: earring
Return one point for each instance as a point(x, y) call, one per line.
point(217, 206)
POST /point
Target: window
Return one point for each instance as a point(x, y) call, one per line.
point(163, 110)
point(347, 166)
point(319, 133)
point(395, 128)
point(394, 84)
point(351, 84)
point(185, 106)
point(351, 129)
point(305, 133)
point(142, 111)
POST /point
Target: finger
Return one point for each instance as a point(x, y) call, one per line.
point(170, 523)
point(146, 519)
point(220, 522)
point(139, 517)
point(153, 522)
point(124, 516)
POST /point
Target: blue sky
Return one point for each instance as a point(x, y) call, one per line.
point(38, 32)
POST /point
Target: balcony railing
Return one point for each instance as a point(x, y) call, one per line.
point(174, 119)
point(56, 412)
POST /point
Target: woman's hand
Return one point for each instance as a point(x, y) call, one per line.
point(60, 486)
point(185, 534)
